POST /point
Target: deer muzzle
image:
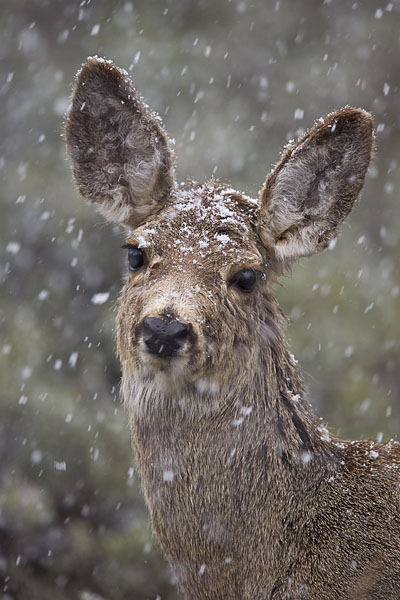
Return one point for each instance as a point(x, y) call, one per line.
point(164, 338)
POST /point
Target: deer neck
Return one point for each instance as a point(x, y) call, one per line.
point(210, 477)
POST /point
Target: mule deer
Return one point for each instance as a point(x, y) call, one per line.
point(249, 495)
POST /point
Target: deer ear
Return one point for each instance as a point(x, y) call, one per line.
point(312, 189)
point(121, 156)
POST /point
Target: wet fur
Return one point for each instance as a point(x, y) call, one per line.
point(249, 495)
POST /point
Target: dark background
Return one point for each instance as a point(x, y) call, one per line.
point(233, 80)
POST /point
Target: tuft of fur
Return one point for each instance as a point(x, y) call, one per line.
point(248, 493)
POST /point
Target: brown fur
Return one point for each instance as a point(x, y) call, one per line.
point(249, 495)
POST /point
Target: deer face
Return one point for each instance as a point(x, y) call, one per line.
point(198, 276)
point(196, 305)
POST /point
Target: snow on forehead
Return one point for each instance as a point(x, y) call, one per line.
point(212, 208)
point(202, 218)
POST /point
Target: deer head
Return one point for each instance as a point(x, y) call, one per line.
point(202, 258)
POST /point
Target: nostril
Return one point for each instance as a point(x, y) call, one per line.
point(152, 327)
point(178, 330)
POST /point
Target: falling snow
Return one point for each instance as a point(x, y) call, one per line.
point(230, 100)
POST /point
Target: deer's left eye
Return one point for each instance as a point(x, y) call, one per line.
point(245, 279)
point(135, 257)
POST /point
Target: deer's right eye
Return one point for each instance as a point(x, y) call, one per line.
point(135, 257)
point(246, 279)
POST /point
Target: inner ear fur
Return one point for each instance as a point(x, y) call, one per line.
point(312, 189)
point(121, 157)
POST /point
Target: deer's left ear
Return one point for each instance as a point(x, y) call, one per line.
point(312, 189)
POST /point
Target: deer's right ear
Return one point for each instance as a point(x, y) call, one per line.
point(312, 189)
point(121, 157)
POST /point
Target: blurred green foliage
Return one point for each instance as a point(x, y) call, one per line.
point(233, 80)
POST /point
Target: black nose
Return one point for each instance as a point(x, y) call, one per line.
point(162, 337)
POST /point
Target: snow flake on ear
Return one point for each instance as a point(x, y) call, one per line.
point(98, 59)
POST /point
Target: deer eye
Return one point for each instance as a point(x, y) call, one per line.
point(245, 279)
point(135, 257)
